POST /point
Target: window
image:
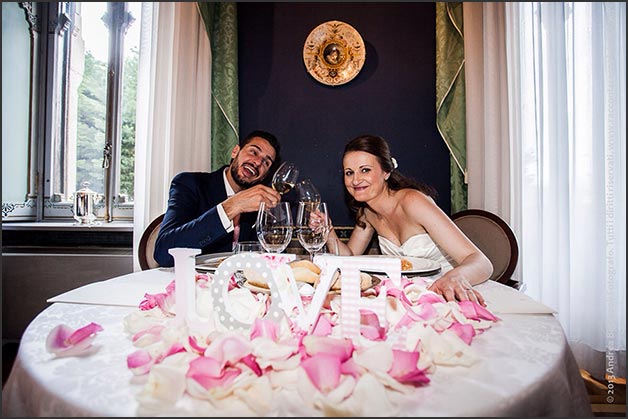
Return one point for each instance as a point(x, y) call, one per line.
point(81, 113)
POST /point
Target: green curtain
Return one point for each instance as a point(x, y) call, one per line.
point(222, 27)
point(450, 96)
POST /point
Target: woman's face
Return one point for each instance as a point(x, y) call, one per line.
point(364, 177)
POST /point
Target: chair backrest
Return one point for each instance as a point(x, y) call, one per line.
point(147, 244)
point(494, 237)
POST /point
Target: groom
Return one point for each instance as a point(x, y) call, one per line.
point(204, 209)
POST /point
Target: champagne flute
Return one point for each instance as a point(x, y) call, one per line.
point(274, 226)
point(312, 226)
point(285, 177)
point(308, 192)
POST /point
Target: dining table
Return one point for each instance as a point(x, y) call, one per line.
point(525, 365)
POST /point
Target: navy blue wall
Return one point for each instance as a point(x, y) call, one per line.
point(393, 96)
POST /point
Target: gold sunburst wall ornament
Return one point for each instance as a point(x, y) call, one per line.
point(334, 53)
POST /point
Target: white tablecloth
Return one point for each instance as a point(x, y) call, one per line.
point(526, 367)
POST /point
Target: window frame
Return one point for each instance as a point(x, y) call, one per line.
point(47, 24)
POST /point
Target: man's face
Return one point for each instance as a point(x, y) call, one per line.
point(251, 163)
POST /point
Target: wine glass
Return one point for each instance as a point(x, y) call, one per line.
point(308, 192)
point(274, 226)
point(312, 226)
point(285, 177)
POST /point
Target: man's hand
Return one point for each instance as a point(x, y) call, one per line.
point(248, 200)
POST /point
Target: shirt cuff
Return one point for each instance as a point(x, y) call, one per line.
point(226, 222)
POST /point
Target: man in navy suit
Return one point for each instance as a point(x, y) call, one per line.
point(202, 206)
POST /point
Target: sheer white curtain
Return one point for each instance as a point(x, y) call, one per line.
point(488, 149)
point(546, 140)
point(173, 106)
point(567, 112)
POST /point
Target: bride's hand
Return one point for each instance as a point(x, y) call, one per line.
point(317, 221)
point(456, 289)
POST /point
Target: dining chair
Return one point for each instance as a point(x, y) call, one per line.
point(147, 244)
point(494, 237)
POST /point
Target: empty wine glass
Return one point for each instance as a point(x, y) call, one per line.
point(285, 177)
point(274, 226)
point(312, 226)
point(308, 192)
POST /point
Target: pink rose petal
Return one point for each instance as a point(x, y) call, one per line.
point(139, 362)
point(57, 338)
point(229, 349)
point(416, 377)
point(264, 328)
point(404, 368)
point(350, 367)
point(138, 358)
point(250, 362)
point(323, 370)
point(63, 341)
point(403, 362)
point(204, 365)
point(175, 348)
point(341, 348)
point(323, 326)
point(83, 333)
point(430, 297)
point(195, 345)
point(163, 300)
point(370, 327)
point(148, 336)
point(209, 374)
point(427, 311)
point(466, 332)
point(398, 294)
point(474, 311)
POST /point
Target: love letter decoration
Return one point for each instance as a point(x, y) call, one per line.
point(285, 299)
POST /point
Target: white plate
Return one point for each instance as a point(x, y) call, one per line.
point(420, 266)
point(209, 263)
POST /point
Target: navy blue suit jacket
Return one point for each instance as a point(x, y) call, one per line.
point(192, 219)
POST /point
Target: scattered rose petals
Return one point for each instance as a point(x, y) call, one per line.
point(326, 372)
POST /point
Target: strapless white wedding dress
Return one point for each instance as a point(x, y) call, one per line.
point(420, 246)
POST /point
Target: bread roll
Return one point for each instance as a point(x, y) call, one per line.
point(302, 274)
point(304, 263)
point(254, 278)
point(365, 281)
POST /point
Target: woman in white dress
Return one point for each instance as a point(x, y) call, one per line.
point(407, 221)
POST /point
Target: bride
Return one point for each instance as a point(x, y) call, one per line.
point(406, 220)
